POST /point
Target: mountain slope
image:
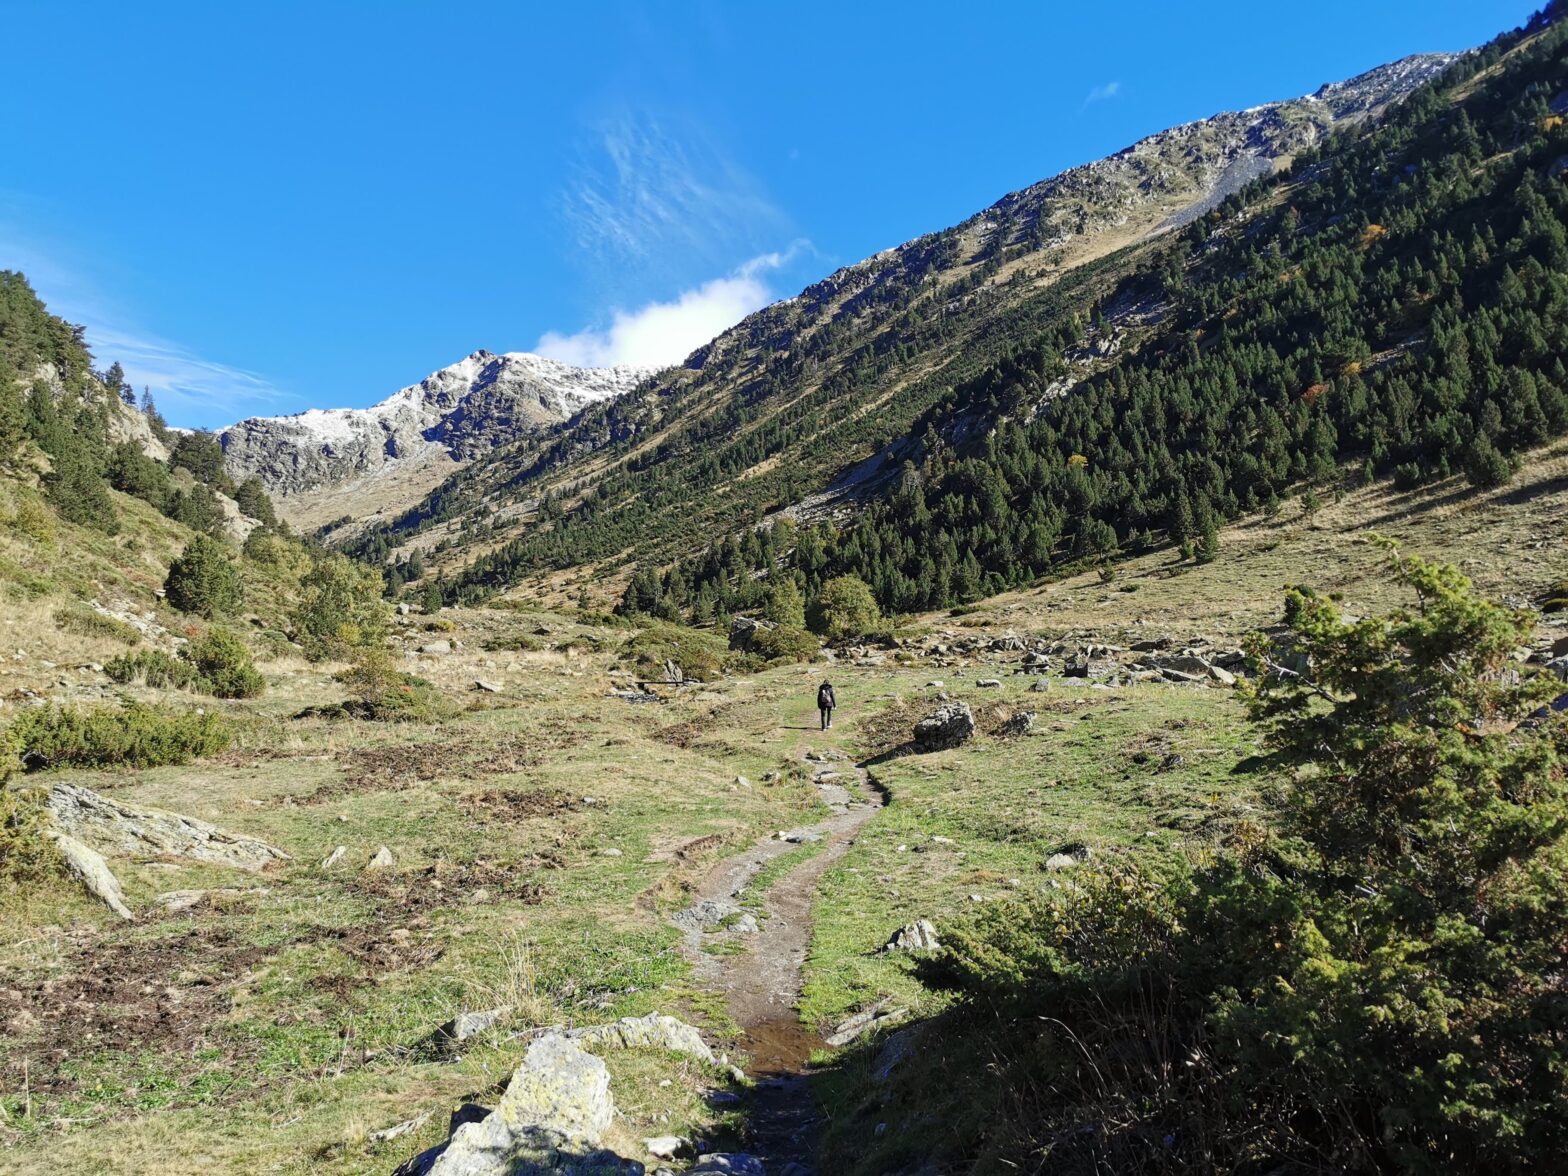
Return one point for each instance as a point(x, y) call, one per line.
point(318, 460)
point(783, 405)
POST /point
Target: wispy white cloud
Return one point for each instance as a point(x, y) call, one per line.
point(660, 334)
point(189, 388)
point(660, 195)
point(186, 386)
point(1101, 94)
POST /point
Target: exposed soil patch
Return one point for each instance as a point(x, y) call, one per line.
point(697, 728)
point(397, 767)
point(889, 728)
point(504, 804)
point(400, 894)
point(166, 994)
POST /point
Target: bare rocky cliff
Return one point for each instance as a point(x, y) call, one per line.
point(476, 404)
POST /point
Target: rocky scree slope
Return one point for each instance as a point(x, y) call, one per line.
point(781, 407)
point(482, 401)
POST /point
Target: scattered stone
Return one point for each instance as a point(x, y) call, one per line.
point(798, 836)
point(610, 853)
point(989, 683)
point(334, 857)
point(664, 1147)
point(1060, 861)
point(917, 936)
point(1040, 687)
point(732, 1163)
point(1223, 677)
point(1020, 724)
point(487, 686)
point(708, 913)
point(938, 839)
point(898, 1048)
point(380, 860)
point(112, 826)
point(868, 1020)
point(436, 647)
point(386, 1134)
point(949, 725)
point(460, 1028)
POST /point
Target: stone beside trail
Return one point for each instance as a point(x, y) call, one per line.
point(552, 1118)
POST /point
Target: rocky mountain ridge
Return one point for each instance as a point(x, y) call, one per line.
point(482, 401)
point(775, 411)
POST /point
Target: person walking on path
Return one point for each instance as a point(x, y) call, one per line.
point(825, 703)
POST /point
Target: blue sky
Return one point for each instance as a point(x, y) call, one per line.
point(260, 208)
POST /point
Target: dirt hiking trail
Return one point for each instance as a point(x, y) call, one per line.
point(761, 981)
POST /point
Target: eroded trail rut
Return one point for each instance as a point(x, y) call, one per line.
point(762, 982)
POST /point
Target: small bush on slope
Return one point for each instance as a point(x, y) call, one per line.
point(1376, 987)
point(132, 735)
point(382, 693)
point(700, 656)
point(152, 667)
point(223, 664)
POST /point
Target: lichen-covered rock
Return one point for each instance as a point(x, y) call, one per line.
point(111, 826)
point(949, 725)
point(654, 1031)
point(550, 1120)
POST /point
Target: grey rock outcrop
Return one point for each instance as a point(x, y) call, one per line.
point(949, 725)
point(556, 1109)
point(744, 630)
point(654, 1031)
point(1020, 724)
point(459, 412)
point(112, 826)
point(88, 867)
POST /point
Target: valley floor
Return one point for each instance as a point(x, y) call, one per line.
point(549, 844)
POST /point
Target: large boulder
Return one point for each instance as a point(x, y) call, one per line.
point(112, 826)
point(743, 630)
point(949, 725)
point(550, 1120)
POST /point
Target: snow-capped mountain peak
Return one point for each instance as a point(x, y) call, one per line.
point(482, 401)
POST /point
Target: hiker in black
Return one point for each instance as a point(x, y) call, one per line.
point(825, 703)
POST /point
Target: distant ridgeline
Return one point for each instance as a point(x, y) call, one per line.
point(1396, 299)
